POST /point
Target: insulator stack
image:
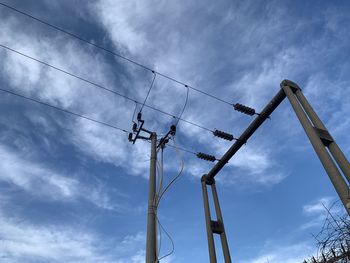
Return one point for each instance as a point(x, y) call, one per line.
point(172, 130)
point(206, 157)
point(223, 135)
point(244, 109)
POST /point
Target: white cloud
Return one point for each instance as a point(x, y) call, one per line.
point(294, 253)
point(29, 77)
point(319, 206)
point(38, 180)
point(134, 30)
point(317, 211)
point(25, 242)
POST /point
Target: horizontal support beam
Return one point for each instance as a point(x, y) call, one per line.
point(266, 112)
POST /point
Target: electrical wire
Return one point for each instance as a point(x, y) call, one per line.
point(156, 201)
point(112, 52)
point(160, 173)
point(184, 107)
point(160, 195)
point(102, 87)
point(182, 149)
point(133, 115)
point(149, 90)
point(175, 178)
point(63, 110)
point(170, 238)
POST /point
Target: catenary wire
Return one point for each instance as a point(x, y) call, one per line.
point(63, 110)
point(112, 52)
point(103, 88)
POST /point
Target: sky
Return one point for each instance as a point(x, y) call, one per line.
point(72, 190)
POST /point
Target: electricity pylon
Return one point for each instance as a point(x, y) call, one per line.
point(323, 143)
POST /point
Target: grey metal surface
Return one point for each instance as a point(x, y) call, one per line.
point(151, 241)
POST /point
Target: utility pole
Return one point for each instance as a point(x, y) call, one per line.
point(151, 239)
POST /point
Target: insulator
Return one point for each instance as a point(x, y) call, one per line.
point(244, 109)
point(207, 157)
point(134, 127)
point(223, 135)
point(172, 130)
point(130, 137)
point(139, 116)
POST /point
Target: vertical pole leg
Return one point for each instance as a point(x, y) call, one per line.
point(317, 142)
point(224, 244)
point(333, 147)
point(211, 244)
point(214, 226)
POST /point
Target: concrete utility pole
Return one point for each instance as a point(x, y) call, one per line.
point(323, 143)
point(151, 241)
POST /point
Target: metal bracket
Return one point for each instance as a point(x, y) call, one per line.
point(216, 226)
point(207, 180)
point(324, 135)
point(290, 84)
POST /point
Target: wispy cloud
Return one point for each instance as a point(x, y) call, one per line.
point(317, 211)
point(293, 253)
point(27, 242)
point(38, 180)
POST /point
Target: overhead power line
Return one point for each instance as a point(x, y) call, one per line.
point(103, 88)
point(83, 116)
point(63, 110)
point(182, 149)
point(113, 53)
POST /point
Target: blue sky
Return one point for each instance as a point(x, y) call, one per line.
point(75, 191)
